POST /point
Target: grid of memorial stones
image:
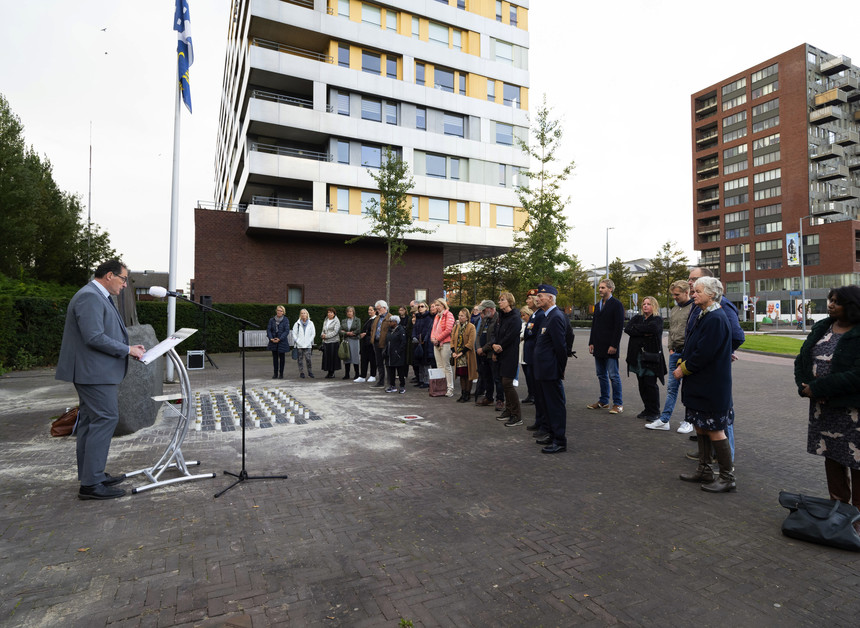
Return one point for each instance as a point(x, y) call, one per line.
point(221, 411)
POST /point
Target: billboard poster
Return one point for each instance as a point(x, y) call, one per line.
point(792, 249)
point(773, 310)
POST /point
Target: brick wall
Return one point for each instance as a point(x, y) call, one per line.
point(233, 266)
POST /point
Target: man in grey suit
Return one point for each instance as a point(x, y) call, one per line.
point(94, 355)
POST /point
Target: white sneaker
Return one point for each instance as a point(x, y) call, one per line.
point(449, 393)
point(371, 379)
point(685, 428)
point(657, 425)
point(359, 380)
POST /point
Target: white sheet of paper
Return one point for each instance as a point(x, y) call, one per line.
point(167, 344)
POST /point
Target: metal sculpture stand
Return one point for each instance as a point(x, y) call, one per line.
point(172, 457)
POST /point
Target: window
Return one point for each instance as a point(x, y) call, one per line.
point(511, 95)
point(390, 113)
point(735, 167)
point(768, 71)
point(462, 84)
point(491, 90)
point(768, 158)
point(419, 73)
point(733, 135)
point(342, 154)
point(391, 67)
point(735, 267)
point(368, 200)
point(768, 175)
point(733, 87)
point(734, 151)
point(435, 165)
point(371, 62)
point(513, 15)
point(414, 208)
point(504, 134)
point(390, 20)
point(765, 124)
point(416, 27)
point(343, 7)
point(504, 53)
point(740, 232)
point(734, 119)
point(343, 104)
point(461, 213)
point(768, 263)
point(734, 102)
point(457, 39)
point(768, 245)
point(455, 168)
point(371, 156)
point(439, 34)
point(735, 184)
point(737, 216)
point(461, 4)
point(343, 55)
point(738, 249)
point(502, 178)
point(438, 210)
point(421, 118)
point(504, 216)
point(371, 14)
point(768, 227)
point(342, 201)
point(810, 240)
point(453, 125)
point(760, 195)
point(498, 10)
point(295, 295)
point(737, 199)
point(444, 80)
point(764, 90)
point(810, 259)
point(371, 109)
point(769, 210)
point(770, 140)
point(770, 105)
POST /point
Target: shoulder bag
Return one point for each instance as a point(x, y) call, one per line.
point(819, 520)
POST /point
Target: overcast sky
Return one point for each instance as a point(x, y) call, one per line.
point(619, 75)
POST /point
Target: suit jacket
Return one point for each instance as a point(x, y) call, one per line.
point(550, 356)
point(530, 336)
point(606, 328)
point(95, 342)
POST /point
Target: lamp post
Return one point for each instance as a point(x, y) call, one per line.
point(607, 250)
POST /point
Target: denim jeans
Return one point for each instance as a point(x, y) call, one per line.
point(607, 370)
point(672, 386)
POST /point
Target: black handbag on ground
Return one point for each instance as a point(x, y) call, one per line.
point(819, 520)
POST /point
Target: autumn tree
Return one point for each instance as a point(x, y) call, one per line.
point(668, 266)
point(625, 284)
point(390, 216)
point(575, 290)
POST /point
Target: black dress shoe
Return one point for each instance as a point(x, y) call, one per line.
point(110, 480)
point(528, 399)
point(544, 440)
point(533, 427)
point(553, 449)
point(100, 491)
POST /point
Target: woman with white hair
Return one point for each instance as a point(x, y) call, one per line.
point(304, 334)
point(705, 371)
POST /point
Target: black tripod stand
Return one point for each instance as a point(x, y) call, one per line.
point(243, 473)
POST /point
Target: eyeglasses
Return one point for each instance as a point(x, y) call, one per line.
point(124, 278)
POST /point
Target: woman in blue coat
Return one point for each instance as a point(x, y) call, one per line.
point(277, 332)
point(705, 371)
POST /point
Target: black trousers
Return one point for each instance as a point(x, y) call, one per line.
point(278, 360)
point(368, 357)
point(380, 366)
point(400, 371)
point(650, 394)
point(551, 394)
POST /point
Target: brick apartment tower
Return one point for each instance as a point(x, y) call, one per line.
point(314, 90)
point(774, 145)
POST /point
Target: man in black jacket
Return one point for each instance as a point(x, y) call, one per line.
point(606, 329)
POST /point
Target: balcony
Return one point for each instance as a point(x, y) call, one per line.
point(828, 173)
point(827, 114)
point(848, 84)
point(275, 201)
point(844, 192)
point(707, 138)
point(293, 101)
point(846, 138)
point(709, 199)
point(853, 163)
point(705, 107)
point(826, 208)
point(830, 97)
point(708, 168)
point(837, 64)
point(292, 50)
point(826, 151)
point(709, 227)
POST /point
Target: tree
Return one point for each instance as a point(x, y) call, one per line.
point(44, 235)
point(625, 285)
point(538, 254)
point(391, 216)
point(669, 265)
point(574, 288)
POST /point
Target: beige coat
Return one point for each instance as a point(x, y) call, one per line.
point(469, 346)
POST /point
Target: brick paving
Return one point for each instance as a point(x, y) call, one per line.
point(454, 520)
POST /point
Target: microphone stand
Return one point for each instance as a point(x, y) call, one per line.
point(243, 473)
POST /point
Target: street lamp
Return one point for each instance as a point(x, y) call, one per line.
point(607, 250)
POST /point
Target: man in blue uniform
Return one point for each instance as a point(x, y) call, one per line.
point(549, 363)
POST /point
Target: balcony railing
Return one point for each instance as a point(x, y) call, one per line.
point(826, 114)
point(827, 173)
point(827, 151)
point(292, 50)
point(274, 201)
point(837, 64)
point(285, 151)
point(222, 207)
point(293, 101)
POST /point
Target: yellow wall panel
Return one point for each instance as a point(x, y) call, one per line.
point(429, 75)
point(492, 224)
point(355, 202)
point(424, 29)
point(472, 43)
point(354, 10)
point(519, 218)
point(404, 24)
point(524, 98)
point(423, 208)
point(473, 214)
point(523, 18)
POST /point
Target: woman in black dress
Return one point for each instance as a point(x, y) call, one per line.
point(827, 371)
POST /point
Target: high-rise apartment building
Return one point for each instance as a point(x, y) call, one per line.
point(776, 151)
point(314, 92)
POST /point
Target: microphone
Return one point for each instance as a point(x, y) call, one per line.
point(159, 292)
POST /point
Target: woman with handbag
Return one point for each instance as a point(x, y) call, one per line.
point(304, 334)
point(331, 343)
point(277, 331)
point(367, 354)
point(506, 353)
point(705, 371)
point(463, 354)
point(421, 347)
point(645, 356)
point(440, 336)
point(350, 330)
point(827, 371)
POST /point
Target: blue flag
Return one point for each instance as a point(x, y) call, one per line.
point(184, 50)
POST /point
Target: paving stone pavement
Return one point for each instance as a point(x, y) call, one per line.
point(455, 520)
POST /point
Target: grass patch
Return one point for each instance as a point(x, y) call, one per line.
point(773, 344)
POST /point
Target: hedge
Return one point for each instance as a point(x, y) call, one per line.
point(32, 327)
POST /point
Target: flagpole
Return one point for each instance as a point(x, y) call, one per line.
point(174, 229)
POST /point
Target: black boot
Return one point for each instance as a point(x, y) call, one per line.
point(726, 481)
point(704, 472)
point(467, 396)
point(346, 375)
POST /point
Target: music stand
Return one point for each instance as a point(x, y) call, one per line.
point(243, 473)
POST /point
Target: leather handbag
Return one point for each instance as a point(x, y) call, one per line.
point(649, 359)
point(343, 350)
point(819, 520)
point(65, 425)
